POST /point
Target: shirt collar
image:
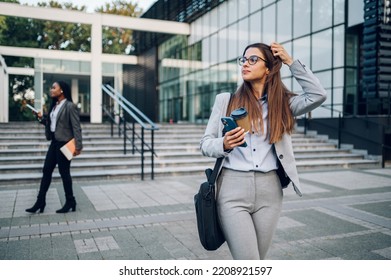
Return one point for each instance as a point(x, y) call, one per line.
point(263, 98)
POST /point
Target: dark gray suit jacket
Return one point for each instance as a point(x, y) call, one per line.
point(67, 126)
point(313, 96)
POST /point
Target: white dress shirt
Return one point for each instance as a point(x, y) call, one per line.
point(54, 114)
point(259, 155)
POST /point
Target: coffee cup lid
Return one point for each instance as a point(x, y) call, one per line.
point(239, 113)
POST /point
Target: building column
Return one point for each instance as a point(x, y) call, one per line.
point(38, 84)
point(75, 90)
point(4, 94)
point(96, 72)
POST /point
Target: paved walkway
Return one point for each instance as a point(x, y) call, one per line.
point(344, 214)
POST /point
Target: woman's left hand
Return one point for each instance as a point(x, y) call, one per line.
point(279, 51)
point(77, 152)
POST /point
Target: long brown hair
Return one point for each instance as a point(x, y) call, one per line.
point(280, 117)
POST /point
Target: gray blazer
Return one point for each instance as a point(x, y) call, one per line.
point(313, 96)
point(67, 126)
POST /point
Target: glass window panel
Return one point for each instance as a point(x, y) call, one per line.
point(234, 75)
point(243, 33)
point(223, 45)
point(323, 111)
point(355, 12)
point(351, 50)
point(71, 66)
point(223, 11)
point(85, 67)
point(108, 69)
point(267, 2)
point(206, 25)
point(196, 29)
point(255, 27)
point(322, 12)
point(255, 5)
point(351, 77)
point(269, 24)
point(214, 78)
point(285, 72)
point(339, 11)
point(324, 78)
point(321, 50)
point(213, 49)
point(243, 8)
point(232, 11)
point(232, 42)
point(206, 50)
point(223, 74)
point(301, 17)
point(284, 20)
point(337, 101)
point(338, 80)
point(302, 50)
point(213, 21)
point(339, 54)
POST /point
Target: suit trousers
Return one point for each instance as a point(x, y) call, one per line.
point(53, 157)
point(249, 206)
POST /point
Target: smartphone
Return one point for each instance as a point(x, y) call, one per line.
point(32, 108)
point(229, 124)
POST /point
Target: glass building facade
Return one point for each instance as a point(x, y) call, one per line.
point(192, 70)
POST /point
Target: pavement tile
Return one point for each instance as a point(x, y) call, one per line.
point(344, 214)
point(386, 252)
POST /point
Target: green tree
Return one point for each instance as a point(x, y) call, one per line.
point(21, 93)
point(118, 40)
point(56, 35)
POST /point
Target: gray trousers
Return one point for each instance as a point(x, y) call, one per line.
point(249, 206)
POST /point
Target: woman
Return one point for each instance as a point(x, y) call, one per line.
point(249, 188)
point(62, 124)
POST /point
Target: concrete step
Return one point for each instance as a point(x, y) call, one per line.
point(120, 157)
point(130, 162)
point(23, 148)
point(135, 173)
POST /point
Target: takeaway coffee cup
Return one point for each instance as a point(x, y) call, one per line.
point(241, 118)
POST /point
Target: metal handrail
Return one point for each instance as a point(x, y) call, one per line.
point(134, 108)
point(137, 116)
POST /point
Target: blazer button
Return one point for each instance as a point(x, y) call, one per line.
point(280, 156)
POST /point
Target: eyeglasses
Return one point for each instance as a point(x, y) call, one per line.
point(251, 60)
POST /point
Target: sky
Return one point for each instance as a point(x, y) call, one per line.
point(92, 4)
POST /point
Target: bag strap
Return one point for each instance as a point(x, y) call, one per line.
point(216, 169)
point(212, 175)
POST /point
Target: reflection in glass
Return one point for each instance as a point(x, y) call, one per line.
point(301, 18)
point(284, 20)
point(322, 14)
point(339, 35)
point(268, 24)
point(321, 50)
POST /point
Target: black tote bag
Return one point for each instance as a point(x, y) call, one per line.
point(209, 230)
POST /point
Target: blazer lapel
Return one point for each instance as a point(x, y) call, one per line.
point(60, 112)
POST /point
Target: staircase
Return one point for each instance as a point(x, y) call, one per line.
point(23, 148)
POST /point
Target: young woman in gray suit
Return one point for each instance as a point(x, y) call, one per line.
point(249, 187)
point(62, 124)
